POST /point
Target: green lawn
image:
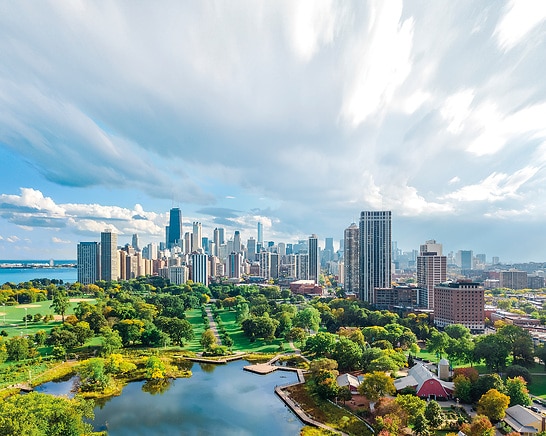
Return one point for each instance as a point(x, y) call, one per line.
point(194, 317)
point(11, 317)
point(538, 386)
point(240, 341)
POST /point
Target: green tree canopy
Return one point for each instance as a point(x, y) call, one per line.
point(375, 385)
point(493, 404)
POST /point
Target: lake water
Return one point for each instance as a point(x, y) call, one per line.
point(215, 400)
point(18, 275)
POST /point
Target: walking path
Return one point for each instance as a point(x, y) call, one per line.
point(212, 323)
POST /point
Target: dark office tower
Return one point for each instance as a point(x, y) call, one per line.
point(351, 259)
point(274, 266)
point(375, 252)
point(314, 258)
point(464, 259)
point(109, 262)
point(88, 262)
point(237, 242)
point(205, 244)
point(175, 227)
point(260, 233)
point(135, 242)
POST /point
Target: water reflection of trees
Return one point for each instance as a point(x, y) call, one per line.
point(207, 367)
point(158, 386)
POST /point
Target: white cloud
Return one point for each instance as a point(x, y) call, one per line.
point(383, 61)
point(56, 240)
point(496, 187)
point(519, 19)
point(13, 239)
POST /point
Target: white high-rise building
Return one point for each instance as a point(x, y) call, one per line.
point(431, 269)
point(196, 241)
point(375, 252)
point(264, 258)
point(200, 268)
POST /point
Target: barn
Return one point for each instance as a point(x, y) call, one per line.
point(425, 383)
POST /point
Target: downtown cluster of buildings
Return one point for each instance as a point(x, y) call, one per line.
point(364, 266)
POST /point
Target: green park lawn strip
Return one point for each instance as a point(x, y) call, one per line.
point(538, 384)
point(240, 341)
point(196, 321)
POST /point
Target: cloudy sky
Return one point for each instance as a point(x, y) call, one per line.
point(299, 114)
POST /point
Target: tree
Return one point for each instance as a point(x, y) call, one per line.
point(437, 342)
point(412, 405)
point(493, 404)
point(155, 369)
point(323, 364)
point(321, 344)
point(516, 389)
point(308, 319)
point(485, 383)
point(540, 352)
point(208, 339)
point(457, 331)
point(520, 343)
point(42, 414)
point(93, 376)
point(347, 354)
point(19, 348)
point(480, 426)
point(375, 385)
point(110, 341)
point(463, 388)
point(434, 414)
point(296, 334)
point(326, 384)
point(494, 349)
point(519, 371)
point(421, 425)
point(60, 303)
point(129, 330)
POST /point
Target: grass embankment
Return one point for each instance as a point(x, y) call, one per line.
point(194, 316)
point(326, 412)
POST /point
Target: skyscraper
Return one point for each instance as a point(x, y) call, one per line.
point(234, 264)
point(196, 240)
point(237, 241)
point(351, 259)
point(260, 233)
point(251, 248)
point(88, 262)
point(200, 268)
point(175, 227)
point(431, 269)
point(375, 252)
point(314, 258)
point(135, 243)
point(109, 259)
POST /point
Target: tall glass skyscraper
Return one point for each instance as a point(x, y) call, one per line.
point(88, 262)
point(175, 227)
point(375, 252)
point(351, 259)
point(314, 258)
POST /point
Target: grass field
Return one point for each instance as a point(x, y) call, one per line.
point(194, 317)
point(11, 317)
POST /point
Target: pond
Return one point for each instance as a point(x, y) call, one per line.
point(215, 400)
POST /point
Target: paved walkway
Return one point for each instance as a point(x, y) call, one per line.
point(212, 323)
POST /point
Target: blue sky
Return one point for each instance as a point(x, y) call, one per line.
point(299, 114)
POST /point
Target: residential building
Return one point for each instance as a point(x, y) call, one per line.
point(351, 259)
point(196, 237)
point(431, 269)
point(314, 258)
point(460, 302)
point(374, 252)
point(513, 279)
point(88, 262)
point(109, 259)
point(200, 268)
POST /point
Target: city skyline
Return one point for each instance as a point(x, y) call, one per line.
point(295, 115)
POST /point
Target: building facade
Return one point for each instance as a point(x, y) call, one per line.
point(175, 227)
point(314, 258)
point(351, 259)
point(88, 262)
point(109, 258)
point(431, 269)
point(460, 302)
point(375, 252)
